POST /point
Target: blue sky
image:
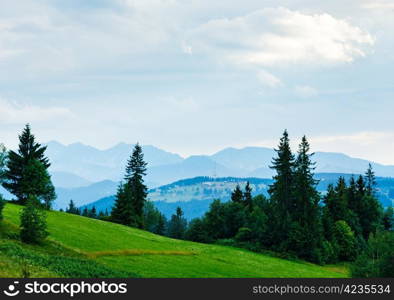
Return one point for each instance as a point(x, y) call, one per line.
point(194, 77)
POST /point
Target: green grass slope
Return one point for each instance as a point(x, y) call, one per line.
point(82, 247)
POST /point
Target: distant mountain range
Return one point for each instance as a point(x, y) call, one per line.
point(194, 195)
point(78, 165)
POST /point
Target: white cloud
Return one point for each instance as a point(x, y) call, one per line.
point(378, 5)
point(268, 79)
point(306, 91)
point(280, 37)
point(15, 113)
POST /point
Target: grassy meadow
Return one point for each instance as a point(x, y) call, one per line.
point(83, 247)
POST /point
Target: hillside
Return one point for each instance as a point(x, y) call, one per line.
point(194, 195)
point(82, 247)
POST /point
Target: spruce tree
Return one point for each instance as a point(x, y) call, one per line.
point(339, 204)
point(33, 222)
point(177, 225)
point(237, 195)
point(85, 212)
point(92, 213)
point(135, 172)
point(328, 218)
point(123, 210)
point(161, 225)
point(282, 194)
point(72, 209)
point(36, 181)
point(370, 181)
point(388, 219)
point(307, 238)
point(17, 162)
point(248, 199)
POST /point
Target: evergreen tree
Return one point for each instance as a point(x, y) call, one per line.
point(361, 189)
point(282, 194)
point(161, 225)
point(123, 211)
point(370, 181)
point(177, 225)
point(135, 171)
point(237, 195)
point(339, 204)
point(352, 195)
point(388, 219)
point(354, 206)
point(215, 221)
point(370, 216)
point(85, 212)
point(131, 197)
point(370, 211)
point(92, 213)
point(328, 210)
point(72, 209)
point(257, 222)
point(248, 199)
point(36, 181)
point(33, 222)
point(306, 238)
point(17, 162)
point(196, 231)
point(151, 217)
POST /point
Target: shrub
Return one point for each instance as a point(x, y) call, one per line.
point(33, 222)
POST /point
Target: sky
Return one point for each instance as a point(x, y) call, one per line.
point(194, 77)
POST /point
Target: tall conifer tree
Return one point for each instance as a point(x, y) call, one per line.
point(248, 199)
point(282, 193)
point(28, 152)
point(237, 195)
point(131, 196)
point(370, 181)
point(308, 236)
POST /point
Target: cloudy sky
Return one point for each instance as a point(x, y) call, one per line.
point(194, 77)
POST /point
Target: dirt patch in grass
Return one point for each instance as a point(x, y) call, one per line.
point(131, 252)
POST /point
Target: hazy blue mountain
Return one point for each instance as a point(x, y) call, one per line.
point(68, 180)
point(84, 195)
point(248, 159)
point(328, 162)
point(96, 165)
